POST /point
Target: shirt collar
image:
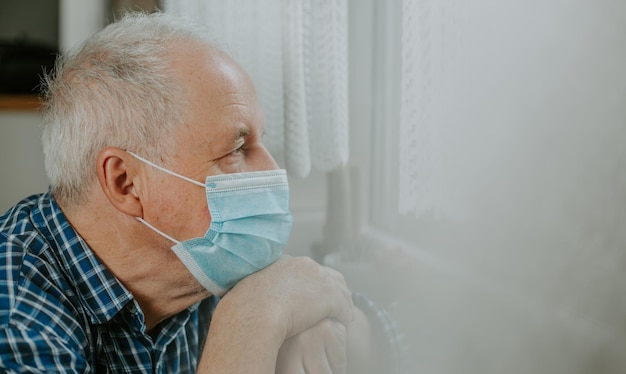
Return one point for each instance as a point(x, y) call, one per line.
point(101, 293)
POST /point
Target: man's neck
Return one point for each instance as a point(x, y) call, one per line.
point(141, 260)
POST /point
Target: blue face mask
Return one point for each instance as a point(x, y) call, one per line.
point(250, 226)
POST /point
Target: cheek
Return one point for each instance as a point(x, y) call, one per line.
point(184, 211)
point(197, 217)
point(204, 217)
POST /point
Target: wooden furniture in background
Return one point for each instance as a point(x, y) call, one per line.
point(19, 102)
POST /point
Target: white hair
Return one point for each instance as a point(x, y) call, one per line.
point(116, 90)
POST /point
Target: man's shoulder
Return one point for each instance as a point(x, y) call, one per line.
point(21, 242)
point(32, 279)
point(36, 298)
point(18, 218)
point(39, 318)
point(28, 229)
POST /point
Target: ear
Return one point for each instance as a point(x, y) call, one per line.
point(116, 173)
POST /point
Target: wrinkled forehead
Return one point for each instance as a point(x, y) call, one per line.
point(222, 101)
point(195, 63)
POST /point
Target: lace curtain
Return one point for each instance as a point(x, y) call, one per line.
point(296, 54)
point(429, 76)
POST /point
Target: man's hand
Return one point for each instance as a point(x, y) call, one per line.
point(252, 321)
point(329, 347)
point(297, 293)
point(320, 349)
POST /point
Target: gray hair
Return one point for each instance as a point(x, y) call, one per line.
point(116, 90)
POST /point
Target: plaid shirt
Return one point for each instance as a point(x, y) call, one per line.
point(62, 310)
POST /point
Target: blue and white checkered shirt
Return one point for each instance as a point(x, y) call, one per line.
point(62, 310)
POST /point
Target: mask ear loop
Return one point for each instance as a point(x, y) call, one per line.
point(157, 230)
point(166, 171)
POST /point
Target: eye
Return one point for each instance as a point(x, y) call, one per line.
point(239, 150)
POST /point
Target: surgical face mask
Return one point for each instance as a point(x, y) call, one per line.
point(250, 226)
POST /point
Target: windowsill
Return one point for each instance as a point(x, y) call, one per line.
point(19, 102)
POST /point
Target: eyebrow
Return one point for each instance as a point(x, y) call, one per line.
point(241, 133)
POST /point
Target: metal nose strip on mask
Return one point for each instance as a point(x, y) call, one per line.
point(166, 170)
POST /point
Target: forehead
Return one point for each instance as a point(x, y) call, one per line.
point(221, 96)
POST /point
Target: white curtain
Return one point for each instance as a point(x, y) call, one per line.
point(429, 66)
point(296, 54)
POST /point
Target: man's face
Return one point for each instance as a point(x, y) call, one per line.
point(223, 134)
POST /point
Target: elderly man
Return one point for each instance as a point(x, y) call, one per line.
point(163, 201)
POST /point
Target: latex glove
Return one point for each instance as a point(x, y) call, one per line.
point(252, 320)
point(321, 349)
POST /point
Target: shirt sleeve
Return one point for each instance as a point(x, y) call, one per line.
point(30, 351)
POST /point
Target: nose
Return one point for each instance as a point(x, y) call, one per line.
point(263, 160)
